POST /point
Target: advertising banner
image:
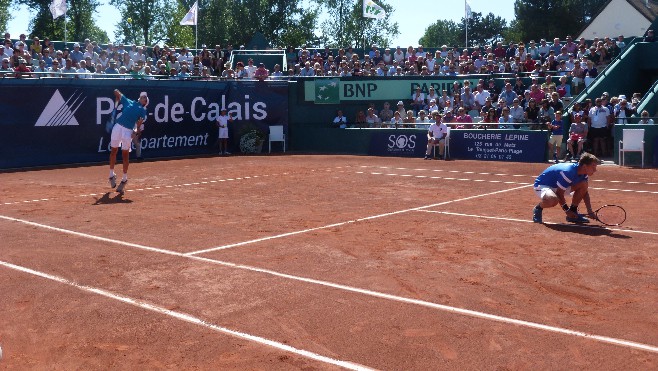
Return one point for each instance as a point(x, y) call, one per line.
point(57, 121)
point(399, 143)
point(499, 145)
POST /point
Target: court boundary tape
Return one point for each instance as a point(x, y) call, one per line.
point(187, 318)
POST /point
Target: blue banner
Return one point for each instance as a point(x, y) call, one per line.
point(399, 143)
point(499, 145)
point(62, 121)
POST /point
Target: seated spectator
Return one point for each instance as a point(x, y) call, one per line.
point(360, 120)
point(23, 70)
point(386, 114)
point(650, 37)
point(577, 136)
point(489, 118)
point(623, 110)
point(422, 121)
point(436, 136)
point(401, 109)
point(261, 72)
point(372, 120)
point(508, 94)
point(464, 119)
point(645, 118)
point(409, 120)
point(340, 121)
point(564, 89)
point(83, 72)
point(519, 87)
point(468, 99)
point(546, 112)
point(488, 104)
point(445, 101)
point(532, 112)
point(69, 70)
point(433, 107)
point(506, 121)
point(481, 97)
point(396, 120)
point(418, 100)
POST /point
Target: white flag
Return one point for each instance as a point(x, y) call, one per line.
point(469, 14)
point(190, 17)
point(58, 8)
point(372, 10)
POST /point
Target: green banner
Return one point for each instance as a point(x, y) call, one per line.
point(326, 91)
point(332, 90)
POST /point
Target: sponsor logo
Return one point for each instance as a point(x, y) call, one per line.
point(59, 112)
point(401, 143)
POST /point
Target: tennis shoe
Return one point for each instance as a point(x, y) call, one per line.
point(580, 219)
point(537, 214)
point(113, 181)
point(427, 157)
point(122, 186)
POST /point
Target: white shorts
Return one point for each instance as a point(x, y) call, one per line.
point(223, 133)
point(121, 137)
point(555, 139)
point(543, 190)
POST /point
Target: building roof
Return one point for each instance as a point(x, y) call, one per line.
point(650, 13)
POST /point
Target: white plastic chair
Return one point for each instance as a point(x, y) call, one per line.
point(276, 135)
point(632, 141)
point(446, 146)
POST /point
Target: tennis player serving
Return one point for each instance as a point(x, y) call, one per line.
point(132, 118)
point(560, 179)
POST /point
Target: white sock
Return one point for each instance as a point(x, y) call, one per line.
point(112, 173)
point(125, 177)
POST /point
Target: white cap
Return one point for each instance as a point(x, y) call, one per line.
point(143, 94)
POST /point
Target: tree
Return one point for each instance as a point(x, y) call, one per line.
point(443, 32)
point(147, 22)
point(79, 21)
point(4, 13)
point(347, 26)
point(482, 31)
point(538, 19)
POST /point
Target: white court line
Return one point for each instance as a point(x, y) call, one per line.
point(500, 181)
point(427, 304)
point(223, 247)
point(587, 226)
point(495, 174)
point(188, 318)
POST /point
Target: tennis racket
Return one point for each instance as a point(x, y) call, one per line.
point(611, 215)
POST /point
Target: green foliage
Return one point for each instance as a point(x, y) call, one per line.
point(4, 13)
point(346, 25)
point(538, 19)
point(483, 30)
point(443, 32)
point(147, 22)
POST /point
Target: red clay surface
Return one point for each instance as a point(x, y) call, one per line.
point(358, 259)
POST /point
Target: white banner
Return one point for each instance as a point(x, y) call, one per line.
point(372, 10)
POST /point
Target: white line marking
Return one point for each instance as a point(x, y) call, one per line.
point(592, 226)
point(500, 181)
point(343, 223)
point(188, 318)
point(367, 292)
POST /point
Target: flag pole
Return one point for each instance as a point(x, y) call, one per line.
point(466, 20)
point(196, 30)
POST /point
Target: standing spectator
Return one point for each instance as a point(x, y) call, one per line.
point(555, 140)
point(645, 118)
point(222, 123)
point(599, 118)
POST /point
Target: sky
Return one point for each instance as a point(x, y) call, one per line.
point(412, 20)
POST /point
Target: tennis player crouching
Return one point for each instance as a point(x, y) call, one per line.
point(560, 179)
point(132, 117)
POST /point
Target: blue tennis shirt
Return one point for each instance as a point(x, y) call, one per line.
point(131, 112)
point(560, 176)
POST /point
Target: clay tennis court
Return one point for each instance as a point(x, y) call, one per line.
point(323, 262)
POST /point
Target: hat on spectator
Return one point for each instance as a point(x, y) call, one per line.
point(578, 116)
point(76, 45)
point(622, 96)
point(112, 61)
point(400, 103)
point(21, 60)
